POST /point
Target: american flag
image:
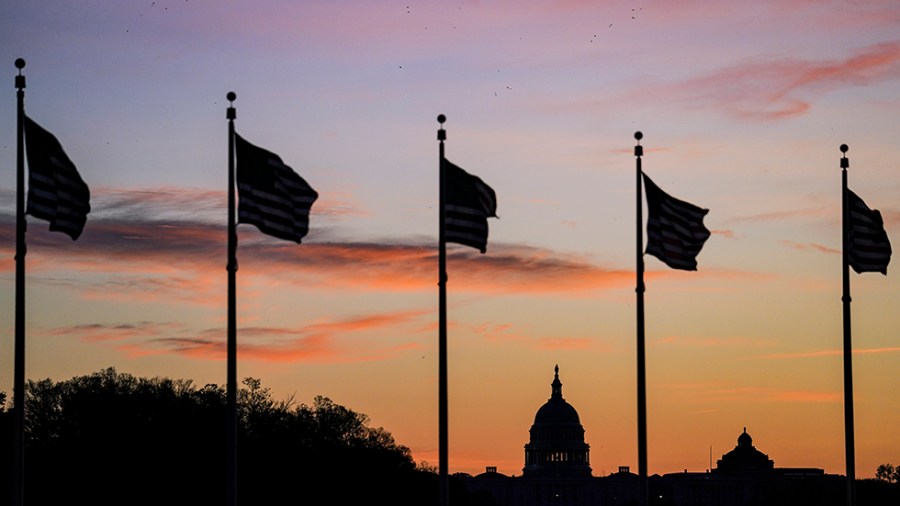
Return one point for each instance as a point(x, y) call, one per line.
point(869, 249)
point(675, 230)
point(469, 202)
point(56, 192)
point(271, 195)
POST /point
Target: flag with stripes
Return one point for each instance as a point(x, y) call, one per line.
point(56, 192)
point(270, 194)
point(869, 248)
point(468, 203)
point(675, 230)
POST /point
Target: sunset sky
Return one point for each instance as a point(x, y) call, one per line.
point(743, 106)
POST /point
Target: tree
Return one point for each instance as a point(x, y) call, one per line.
point(888, 473)
point(112, 438)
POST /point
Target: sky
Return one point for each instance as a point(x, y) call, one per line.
point(743, 106)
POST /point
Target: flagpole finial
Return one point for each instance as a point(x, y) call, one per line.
point(441, 119)
point(20, 79)
point(638, 149)
point(231, 114)
point(638, 135)
point(845, 162)
point(442, 135)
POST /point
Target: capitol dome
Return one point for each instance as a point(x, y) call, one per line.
point(557, 446)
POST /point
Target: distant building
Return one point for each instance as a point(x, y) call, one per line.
point(745, 458)
point(557, 471)
point(557, 447)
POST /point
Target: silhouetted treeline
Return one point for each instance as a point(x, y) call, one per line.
point(111, 438)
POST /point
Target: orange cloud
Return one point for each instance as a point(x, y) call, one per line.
point(783, 215)
point(710, 392)
point(830, 353)
point(563, 343)
point(716, 342)
point(810, 246)
point(728, 234)
point(142, 245)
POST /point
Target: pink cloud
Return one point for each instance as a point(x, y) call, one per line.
point(810, 212)
point(728, 234)
point(766, 90)
point(810, 246)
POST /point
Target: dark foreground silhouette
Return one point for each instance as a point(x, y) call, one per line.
point(111, 438)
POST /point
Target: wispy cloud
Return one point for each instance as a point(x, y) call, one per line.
point(727, 234)
point(716, 342)
point(563, 343)
point(809, 212)
point(717, 392)
point(152, 244)
point(98, 332)
point(810, 247)
point(328, 342)
point(829, 353)
point(766, 90)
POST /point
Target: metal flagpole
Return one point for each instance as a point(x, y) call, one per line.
point(443, 477)
point(19, 380)
point(231, 387)
point(849, 447)
point(643, 493)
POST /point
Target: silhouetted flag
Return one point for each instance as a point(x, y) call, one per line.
point(271, 195)
point(870, 249)
point(469, 203)
point(56, 192)
point(675, 231)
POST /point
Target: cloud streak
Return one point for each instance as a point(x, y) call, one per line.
point(715, 392)
point(810, 247)
point(769, 90)
point(152, 245)
point(830, 353)
point(341, 341)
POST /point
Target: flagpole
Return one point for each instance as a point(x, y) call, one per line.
point(231, 387)
point(849, 445)
point(643, 493)
point(443, 444)
point(19, 380)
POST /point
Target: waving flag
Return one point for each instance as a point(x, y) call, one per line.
point(870, 249)
point(271, 195)
point(56, 192)
point(675, 230)
point(469, 203)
